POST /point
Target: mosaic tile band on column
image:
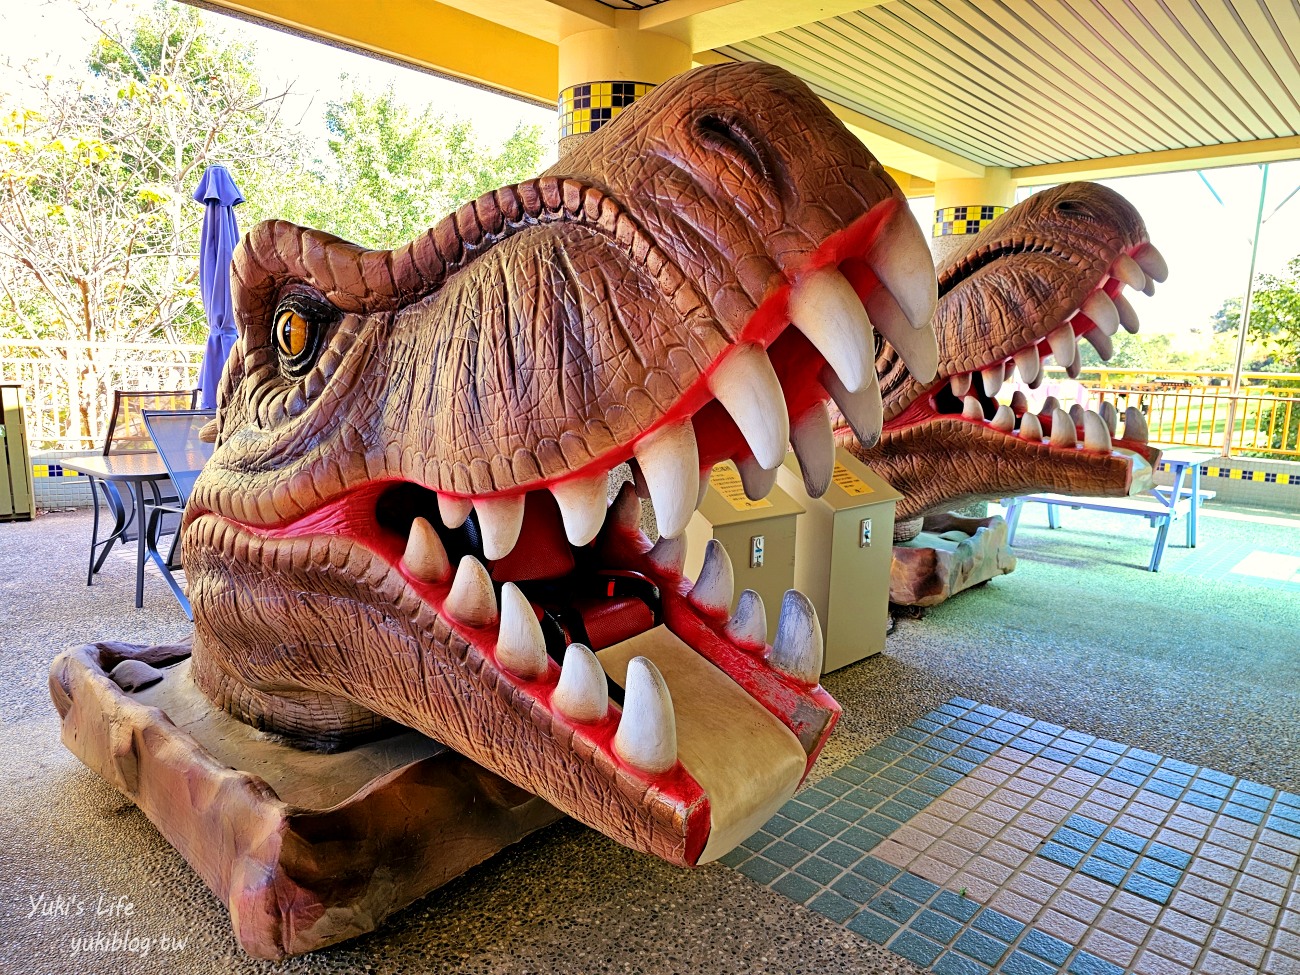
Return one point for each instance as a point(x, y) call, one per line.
point(977, 840)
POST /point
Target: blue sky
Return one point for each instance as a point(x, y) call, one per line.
point(1207, 243)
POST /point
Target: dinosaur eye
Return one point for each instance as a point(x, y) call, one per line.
point(299, 324)
point(292, 333)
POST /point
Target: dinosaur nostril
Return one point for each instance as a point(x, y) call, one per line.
point(1070, 206)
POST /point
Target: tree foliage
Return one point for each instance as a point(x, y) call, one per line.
point(98, 234)
point(392, 172)
point(98, 237)
point(1274, 317)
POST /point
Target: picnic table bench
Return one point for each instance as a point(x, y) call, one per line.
point(1161, 506)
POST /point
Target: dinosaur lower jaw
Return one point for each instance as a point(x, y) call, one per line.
point(684, 773)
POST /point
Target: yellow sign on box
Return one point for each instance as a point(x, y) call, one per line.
point(725, 479)
point(850, 483)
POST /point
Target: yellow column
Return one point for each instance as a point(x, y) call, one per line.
point(604, 71)
point(965, 206)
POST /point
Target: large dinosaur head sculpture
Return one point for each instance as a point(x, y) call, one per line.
point(1046, 273)
point(405, 518)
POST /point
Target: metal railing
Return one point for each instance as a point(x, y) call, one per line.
point(1196, 408)
point(70, 384)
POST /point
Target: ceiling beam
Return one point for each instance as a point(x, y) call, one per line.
point(547, 20)
point(424, 34)
point(706, 24)
point(1165, 161)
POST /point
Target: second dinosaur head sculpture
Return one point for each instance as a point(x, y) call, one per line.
point(405, 519)
point(1047, 273)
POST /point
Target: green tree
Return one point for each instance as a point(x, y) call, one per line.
point(392, 171)
point(1274, 317)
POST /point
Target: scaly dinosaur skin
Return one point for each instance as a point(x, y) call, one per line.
point(632, 303)
point(1025, 276)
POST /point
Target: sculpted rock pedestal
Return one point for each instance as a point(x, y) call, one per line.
point(305, 849)
point(951, 554)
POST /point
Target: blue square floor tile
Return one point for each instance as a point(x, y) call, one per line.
point(873, 927)
point(1046, 947)
point(981, 947)
point(951, 964)
point(915, 948)
point(1086, 964)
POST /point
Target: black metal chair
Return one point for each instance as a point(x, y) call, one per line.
point(127, 435)
point(176, 436)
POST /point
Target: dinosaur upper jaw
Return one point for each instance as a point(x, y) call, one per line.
point(537, 630)
point(991, 449)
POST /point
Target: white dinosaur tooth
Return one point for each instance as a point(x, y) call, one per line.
point(745, 383)
point(1101, 342)
point(1050, 404)
point(1151, 261)
point(824, 306)
point(960, 384)
point(1028, 363)
point(971, 409)
point(670, 464)
point(1019, 402)
point(668, 555)
point(1095, 434)
point(471, 600)
point(901, 259)
point(1127, 316)
point(425, 557)
point(1130, 272)
point(1135, 425)
point(1076, 414)
point(625, 511)
point(1098, 307)
point(864, 410)
point(797, 649)
point(1004, 419)
point(756, 479)
point(1149, 288)
point(582, 502)
point(716, 584)
point(521, 646)
point(581, 694)
point(918, 347)
point(813, 441)
point(499, 521)
point(705, 474)
point(1037, 380)
point(1109, 415)
point(1061, 340)
point(647, 732)
point(1030, 428)
point(1062, 429)
point(454, 511)
point(1075, 368)
point(748, 624)
point(992, 377)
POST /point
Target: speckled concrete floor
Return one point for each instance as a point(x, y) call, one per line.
point(1206, 670)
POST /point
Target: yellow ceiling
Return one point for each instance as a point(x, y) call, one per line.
point(1050, 89)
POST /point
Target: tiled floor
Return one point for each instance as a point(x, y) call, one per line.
point(976, 840)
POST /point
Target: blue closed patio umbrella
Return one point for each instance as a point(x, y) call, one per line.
point(219, 195)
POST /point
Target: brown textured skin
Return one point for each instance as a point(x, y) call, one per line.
point(538, 330)
point(1058, 244)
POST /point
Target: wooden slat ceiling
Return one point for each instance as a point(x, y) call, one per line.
point(1027, 82)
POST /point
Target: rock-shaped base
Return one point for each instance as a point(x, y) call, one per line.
point(305, 849)
point(950, 554)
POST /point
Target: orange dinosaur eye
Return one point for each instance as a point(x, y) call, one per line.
point(292, 333)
